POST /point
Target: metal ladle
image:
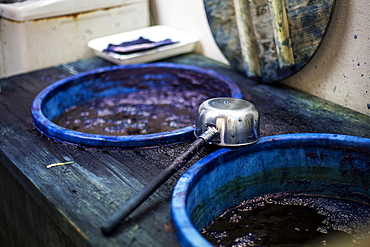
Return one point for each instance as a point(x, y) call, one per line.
point(219, 121)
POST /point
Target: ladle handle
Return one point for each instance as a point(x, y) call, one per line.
point(114, 220)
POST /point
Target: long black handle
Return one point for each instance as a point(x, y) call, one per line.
point(113, 221)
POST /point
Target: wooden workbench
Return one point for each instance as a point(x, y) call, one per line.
point(65, 205)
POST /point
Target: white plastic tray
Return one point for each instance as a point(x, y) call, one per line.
point(186, 43)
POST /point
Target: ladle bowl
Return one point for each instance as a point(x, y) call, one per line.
point(236, 120)
point(316, 164)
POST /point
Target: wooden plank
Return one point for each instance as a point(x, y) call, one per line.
point(247, 38)
point(16, 206)
point(283, 42)
point(62, 185)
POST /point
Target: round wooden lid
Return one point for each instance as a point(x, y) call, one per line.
point(268, 40)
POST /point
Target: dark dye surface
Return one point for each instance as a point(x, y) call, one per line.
point(292, 220)
point(143, 112)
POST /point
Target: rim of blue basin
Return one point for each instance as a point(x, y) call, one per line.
point(59, 133)
point(316, 147)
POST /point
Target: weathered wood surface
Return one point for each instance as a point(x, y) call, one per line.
point(268, 39)
point(21, 217)
point(75, 199)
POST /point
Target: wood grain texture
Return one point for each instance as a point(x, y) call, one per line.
point(247, 39)
point(280, 24)
point(75, 199)
point(308, 21)
point(21, 217)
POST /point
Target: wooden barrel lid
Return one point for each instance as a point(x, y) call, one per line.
point(268, 40)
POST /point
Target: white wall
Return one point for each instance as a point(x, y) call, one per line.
point(187, 15)
point(340, 70)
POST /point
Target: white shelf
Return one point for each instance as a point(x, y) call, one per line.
point(39, 9)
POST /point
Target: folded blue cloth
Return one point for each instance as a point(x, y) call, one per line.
point(141, 44)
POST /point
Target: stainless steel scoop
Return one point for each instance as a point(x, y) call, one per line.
point(220, 121)
point(236, 120)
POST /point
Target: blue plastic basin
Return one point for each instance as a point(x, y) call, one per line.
point(122, 80)
point(316, 164)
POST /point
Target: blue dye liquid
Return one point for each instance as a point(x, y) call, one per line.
point(143, 112)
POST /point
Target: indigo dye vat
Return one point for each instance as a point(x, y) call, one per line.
point(128, 106)
point(217, 120)
point(295, 167)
